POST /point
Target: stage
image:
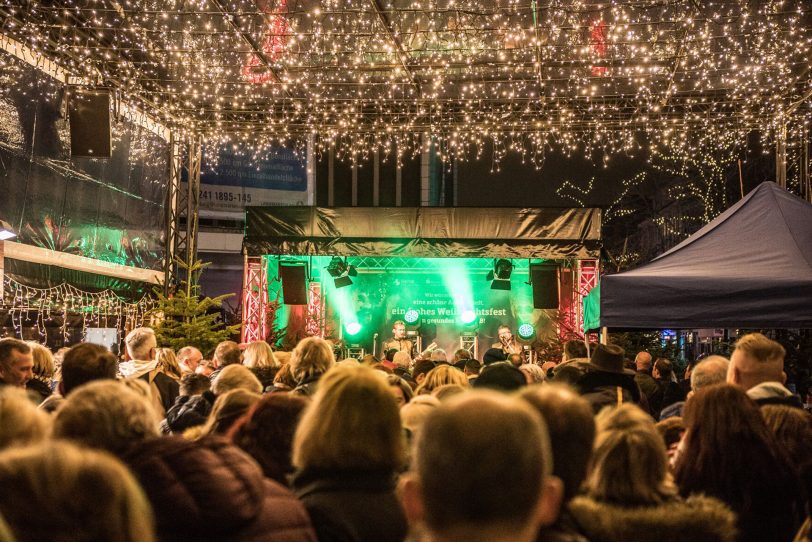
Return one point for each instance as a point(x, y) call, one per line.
point(315, 276)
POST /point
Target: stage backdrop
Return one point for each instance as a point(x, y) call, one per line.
point(439, 290)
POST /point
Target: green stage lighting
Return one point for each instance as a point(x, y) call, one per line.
point(411, 317)
point(468, 316)
point(353, 328)
point(526, 331)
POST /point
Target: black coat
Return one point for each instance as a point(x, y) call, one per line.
point(352, 505)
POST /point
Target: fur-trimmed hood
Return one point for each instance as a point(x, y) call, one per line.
point(695, 519)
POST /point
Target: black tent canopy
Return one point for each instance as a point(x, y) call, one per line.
point(751, 267)
point(424, 232)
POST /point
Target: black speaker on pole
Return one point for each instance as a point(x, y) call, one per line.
point(294, 284)
point(544, 278)
point(89, 116)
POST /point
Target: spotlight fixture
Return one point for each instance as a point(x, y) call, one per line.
point(500, 275)
point(467, 316)
point(526, 331)
point(5, 231)
point(411, 317)
point(341, 272)
point(353, 328)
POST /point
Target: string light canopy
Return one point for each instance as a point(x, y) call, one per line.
point(398, 75)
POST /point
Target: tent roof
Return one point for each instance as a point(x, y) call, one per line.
point(481, 232)
point(750, 267)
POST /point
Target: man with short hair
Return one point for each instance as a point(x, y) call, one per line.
point(438, 355)
point(516, 360)
point(141, 345)
point(460, 357)
point(711, 370)
point(509, 499)
point(707, 372)
point(16, 363)
point(189, 358)
point(507, 342)
point(81, 364)
point(757, 365)
point(668, 391)
point(648, 385)
point(227, 353)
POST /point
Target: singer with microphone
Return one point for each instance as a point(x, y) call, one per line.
point(399, 341)
point(507, 342)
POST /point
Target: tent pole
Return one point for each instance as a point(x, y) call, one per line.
point(604, 338)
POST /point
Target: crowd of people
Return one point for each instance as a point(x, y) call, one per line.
point(249, 444)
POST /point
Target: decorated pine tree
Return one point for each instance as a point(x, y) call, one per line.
point(187, 319)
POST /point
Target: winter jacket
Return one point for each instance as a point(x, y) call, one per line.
point(603, 388)
point(189, 411)
point(774, 393)
point(265, 375)
point(209, 489)
point(695, 519)
point(352, 505)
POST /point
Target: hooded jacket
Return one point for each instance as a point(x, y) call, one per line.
point(211, 490)
point(695, 519)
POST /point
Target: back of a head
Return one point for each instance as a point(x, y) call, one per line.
point(106, 415)
point(401, 359)
point(140, 342)
point(311, 357)
point(472, 367)
point(574, 350)
point(58, 491)
point(84, 363)
point(442, 374)
point(259, 354)
point(502, 376)
point(571, 426)
point(353, 423)
point(792, 428)
point(227, 353)
point(643, 361)
point(708, 372)
point(622, 417)
point(438, 355)
point(234, 377)
point(665, 368)
point(194, 384)
point(462, 354)
point(228, 408)
point(503, 492)
point(756, 359)
point(422, 367)
point(21, 422)
point(630, 468)
point(267, 430)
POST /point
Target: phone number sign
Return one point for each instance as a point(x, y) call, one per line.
point(236, 180)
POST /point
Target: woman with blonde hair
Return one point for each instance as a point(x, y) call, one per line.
point(44, 369)
point(20, 421)
point(347, 451)
point(59, 491)
point(168, 363)
point(311, 358)
point(227, 409)
point(441, 375)
point(259, 357)
point(630, 494)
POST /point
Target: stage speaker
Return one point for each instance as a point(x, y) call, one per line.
point(294, 284)
point(544, 278)
point(90, 131)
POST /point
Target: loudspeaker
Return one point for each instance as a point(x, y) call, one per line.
point(89, 115)
point(544, 278)
point(294, 284)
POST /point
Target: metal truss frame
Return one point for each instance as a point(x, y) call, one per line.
point(182, 209)
point(254, 300)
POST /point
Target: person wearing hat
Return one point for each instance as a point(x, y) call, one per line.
point(606, 382)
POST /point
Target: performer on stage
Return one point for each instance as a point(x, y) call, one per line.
point(507, 342)
point(399, 341)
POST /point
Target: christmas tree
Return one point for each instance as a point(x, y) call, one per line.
point(187, 319)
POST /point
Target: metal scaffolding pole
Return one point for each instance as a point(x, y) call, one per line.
point(182, 209)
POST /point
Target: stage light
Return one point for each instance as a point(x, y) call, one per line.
point(500, 275)
point(526, 331)
point(5, 231)
point(468, 316)
point(411, 317)
point(353, 328)
point(341, 272)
